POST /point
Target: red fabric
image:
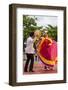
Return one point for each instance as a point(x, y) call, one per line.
point(49, 51)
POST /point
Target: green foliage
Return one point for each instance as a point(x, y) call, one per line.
point(29, 25)
point(52, 31)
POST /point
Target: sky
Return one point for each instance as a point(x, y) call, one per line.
point(45, 20)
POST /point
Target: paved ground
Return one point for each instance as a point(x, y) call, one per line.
point(39, 69)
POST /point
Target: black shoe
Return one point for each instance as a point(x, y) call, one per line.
point(25, 70)
point(46, 68)
point(31, 71)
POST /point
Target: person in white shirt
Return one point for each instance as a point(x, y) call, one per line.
point(29, 50)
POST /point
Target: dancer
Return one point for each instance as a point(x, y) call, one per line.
point(47, 51)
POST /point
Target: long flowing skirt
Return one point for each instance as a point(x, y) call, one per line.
point(48, 53)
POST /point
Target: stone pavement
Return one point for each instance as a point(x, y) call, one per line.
point(39, 69)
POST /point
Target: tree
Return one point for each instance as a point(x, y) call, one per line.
point(52, 31)
point(29, 25)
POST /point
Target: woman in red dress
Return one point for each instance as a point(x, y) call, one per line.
point(47, 52)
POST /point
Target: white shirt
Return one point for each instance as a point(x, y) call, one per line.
point(29, 48)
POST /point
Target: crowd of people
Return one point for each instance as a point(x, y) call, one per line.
point(44, 47)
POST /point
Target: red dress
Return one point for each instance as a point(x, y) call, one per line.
point(47, 51)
